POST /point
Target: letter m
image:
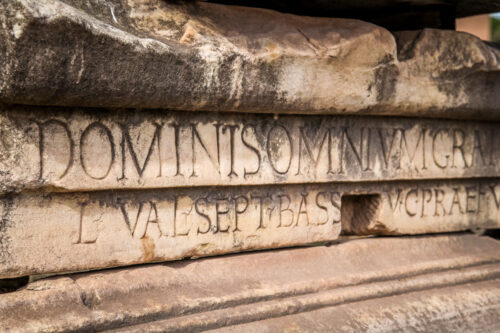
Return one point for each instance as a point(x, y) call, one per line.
point(305, 145)
point(127, 143)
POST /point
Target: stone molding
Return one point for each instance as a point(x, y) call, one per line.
point(263, 289)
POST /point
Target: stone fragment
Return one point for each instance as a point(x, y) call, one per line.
point(60, 232)
point(202, 56)
point(403, 283)
point(87, 150)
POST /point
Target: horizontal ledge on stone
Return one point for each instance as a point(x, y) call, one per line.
point(72, 149)
point(304, 303)
point(203, 56)
point(84, 231)
point(246, 289)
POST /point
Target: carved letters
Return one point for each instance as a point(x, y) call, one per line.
point(127, 227)
point(202, 213)
point(421, 201)
point(165, 149)
point(166, 185)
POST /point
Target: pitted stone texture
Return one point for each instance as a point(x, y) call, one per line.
point(350, 285)
point(201, 56)
point(61, 232)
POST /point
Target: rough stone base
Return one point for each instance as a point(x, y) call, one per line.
point(426, 283)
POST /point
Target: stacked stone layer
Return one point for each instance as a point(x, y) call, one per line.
point(59, 149)
point(88, 189)
point(69, 232)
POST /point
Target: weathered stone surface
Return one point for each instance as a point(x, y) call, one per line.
point(440, 283)
point(98, 230)
point(46, 233)
point(202, 56)
point(75, 149)
point(464, 308)
point(420, 207)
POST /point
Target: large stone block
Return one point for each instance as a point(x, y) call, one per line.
point(202, 56)
point(58, 232)
point(70, 232)
point(92, 188)
point(57, 149)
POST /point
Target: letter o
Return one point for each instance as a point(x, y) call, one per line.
point(105, 133)
point(269, 152)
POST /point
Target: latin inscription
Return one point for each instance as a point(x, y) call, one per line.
point(428, 201)
point(234, 212)
point(284, 210)
point(190, 149)
point(113, 228)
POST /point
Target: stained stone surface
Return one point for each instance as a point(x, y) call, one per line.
point(203, 56)
point(47, 233)
point(420, 207)
point(94, 188)
point(67, 149)
point(440, 283)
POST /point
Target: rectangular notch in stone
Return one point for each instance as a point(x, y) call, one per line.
point(359, 214)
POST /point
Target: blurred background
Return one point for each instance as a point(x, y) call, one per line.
point(486, 27)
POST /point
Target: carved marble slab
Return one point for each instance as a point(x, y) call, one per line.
point(61, 149)
point(57, 232)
